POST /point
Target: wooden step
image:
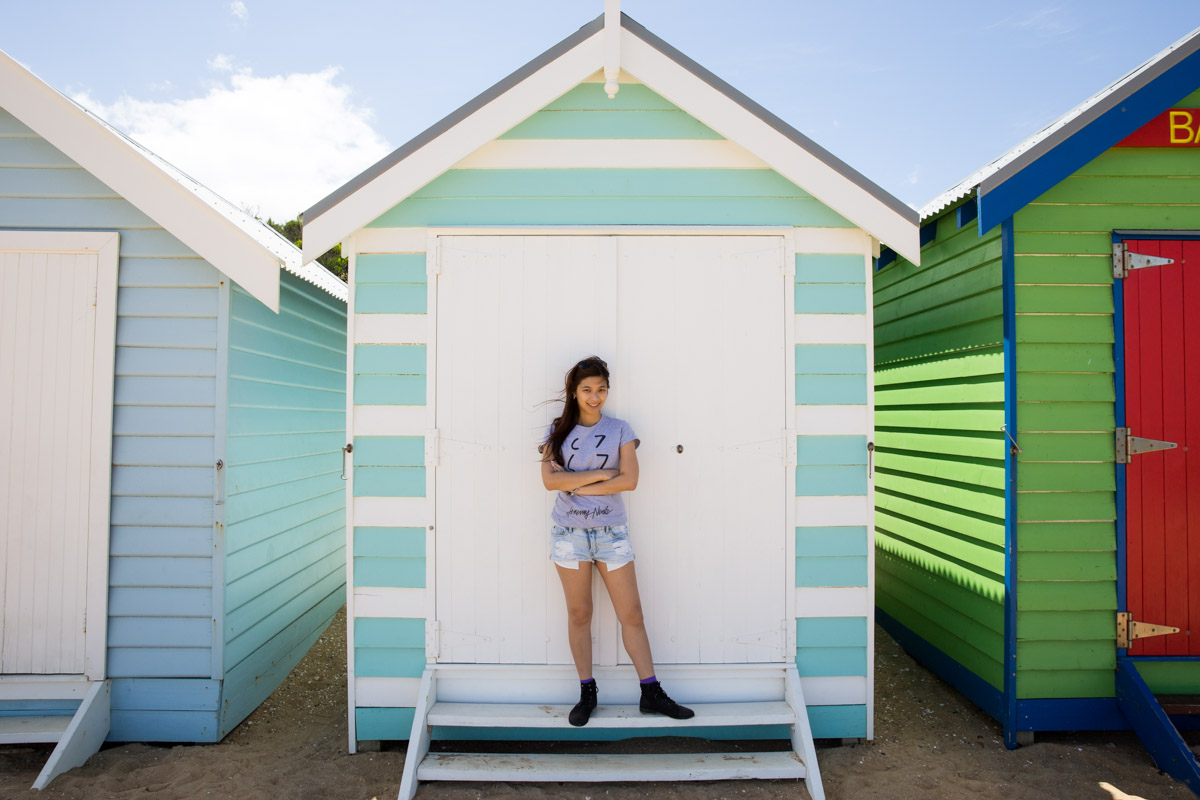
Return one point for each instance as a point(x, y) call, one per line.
point(1179, 703)
point(514, 715)
point(601, 768)
point(18, 730)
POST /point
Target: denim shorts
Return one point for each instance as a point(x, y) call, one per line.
point(608, 544)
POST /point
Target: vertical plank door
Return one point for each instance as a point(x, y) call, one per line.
point(55, 450)
point(693, 328)
point(1162, 397)
point(701, 372)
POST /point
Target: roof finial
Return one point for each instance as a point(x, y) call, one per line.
point(612, 46)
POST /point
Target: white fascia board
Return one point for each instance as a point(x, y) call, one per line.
point(422, 166)
point(733, 121)
point(130, 174)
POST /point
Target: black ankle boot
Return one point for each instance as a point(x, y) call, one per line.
point(655, 701)
point(587, 704)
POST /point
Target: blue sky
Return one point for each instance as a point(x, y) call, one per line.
point(275, 104)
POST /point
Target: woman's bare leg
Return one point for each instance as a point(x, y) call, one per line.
point(577, 587)
point(623, 590)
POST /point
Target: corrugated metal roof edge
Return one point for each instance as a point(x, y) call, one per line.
point(585, 32)
point(268, 238)
point(1029, 150)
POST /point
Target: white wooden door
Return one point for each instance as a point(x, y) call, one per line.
point(693, 328)
point(57, 319)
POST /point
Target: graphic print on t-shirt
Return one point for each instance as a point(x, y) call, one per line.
point(588, 448)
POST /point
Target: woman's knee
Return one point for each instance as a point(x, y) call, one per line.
point(632, 618)
point(578, 616)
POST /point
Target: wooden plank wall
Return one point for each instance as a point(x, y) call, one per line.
point(1066, 534)
point(285, 503)
point(939, 399)
point(587, 160)
point(160, 601)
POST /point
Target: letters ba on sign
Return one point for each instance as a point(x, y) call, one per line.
point(1177, 127)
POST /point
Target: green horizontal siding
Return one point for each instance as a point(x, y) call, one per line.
point(831, 556)
point(392, 283)
point(939, 458)
point(389, 648)
point(1066, 537)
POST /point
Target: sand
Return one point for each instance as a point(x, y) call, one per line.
point(930, 743)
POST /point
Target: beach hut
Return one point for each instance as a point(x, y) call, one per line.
point(1032, 528)
point(172, 414)
point(612, 197)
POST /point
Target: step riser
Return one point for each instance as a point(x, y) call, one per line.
point(710, 715)
point(608, 769)
point(429, 773)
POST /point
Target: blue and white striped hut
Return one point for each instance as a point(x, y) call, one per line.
point(171, 418)
point(612, 197)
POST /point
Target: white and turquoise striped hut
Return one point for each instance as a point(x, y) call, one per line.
point(611, 197)
point(171, 418)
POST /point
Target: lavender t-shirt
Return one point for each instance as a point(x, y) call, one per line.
point(597, 447)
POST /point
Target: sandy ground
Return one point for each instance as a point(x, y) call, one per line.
point(930, 744)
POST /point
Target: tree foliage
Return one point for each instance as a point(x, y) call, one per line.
point(332, 260)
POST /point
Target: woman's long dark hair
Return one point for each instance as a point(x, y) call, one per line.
point(589, 367)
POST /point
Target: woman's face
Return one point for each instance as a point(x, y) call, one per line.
point(591, 394)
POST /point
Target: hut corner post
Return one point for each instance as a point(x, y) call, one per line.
point(1008, 273)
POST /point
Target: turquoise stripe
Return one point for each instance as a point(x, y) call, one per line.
point(833, 571)
point(827, 390)
point(399, 573)
point(832, 541)
point(624, 183)
point(390, 390)
point(817, 450)
point(389, 451)
point(394, 662)
point(836, 722)
point(797, 211)
point(631, 97)
point(389, 359)
point(389, 632)
point(827, 268)
point(390, 298)
point(822, 359)
point(831, 662)
point(611, 125)
point(389, 481)
point(830, 298)
point(390, 268)
point(390, 542)
point(383, 724)
point(831, 631)
point(826, 480)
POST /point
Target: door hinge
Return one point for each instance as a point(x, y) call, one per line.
point(1124, 262)
point(433, 638)
point(432, 450)
point(1129, 629)
point(1128, 446)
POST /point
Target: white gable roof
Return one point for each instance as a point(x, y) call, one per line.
point(233, 241)
point(656, 64)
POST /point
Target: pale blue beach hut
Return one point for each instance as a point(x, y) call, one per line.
point(172, 412)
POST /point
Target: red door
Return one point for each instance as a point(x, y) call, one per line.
point(1162, 401)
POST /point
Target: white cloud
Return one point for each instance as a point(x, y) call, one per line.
point(272, 145)
point(239, 11)
point(221, 62)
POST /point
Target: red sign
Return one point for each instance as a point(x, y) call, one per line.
point(1178, 127)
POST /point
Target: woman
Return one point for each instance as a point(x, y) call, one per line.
point(590, 459)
